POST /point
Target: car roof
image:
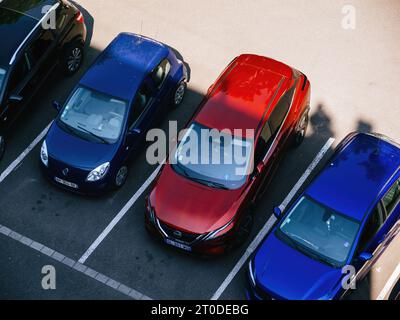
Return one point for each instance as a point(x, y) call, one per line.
point(122, 66)
point(17, 20)
point(241, 96)
point(357, 175)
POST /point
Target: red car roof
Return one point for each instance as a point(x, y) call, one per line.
point(241, 95)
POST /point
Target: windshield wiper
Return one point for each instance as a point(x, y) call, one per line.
point(307, 252)
point(92, 134)
point(211, 183)
point(203, 181)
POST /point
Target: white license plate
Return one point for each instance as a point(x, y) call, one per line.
point(66, 183)
point(178, 245)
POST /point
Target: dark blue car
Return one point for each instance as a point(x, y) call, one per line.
point(343, 218)
point(131, 86)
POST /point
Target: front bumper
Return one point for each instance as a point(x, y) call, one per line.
point(75, 180)
point(213, 247)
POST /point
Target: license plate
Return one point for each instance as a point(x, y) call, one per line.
point(178, 245)
point(66, 183)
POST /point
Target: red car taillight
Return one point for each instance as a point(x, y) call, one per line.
point(80, 18)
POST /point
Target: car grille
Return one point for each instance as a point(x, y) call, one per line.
point(72, 174)
point(178, 235)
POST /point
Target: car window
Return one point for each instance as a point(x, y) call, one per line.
point(142, 99)
point(18, 73)
point(39, 47)
point(263, 143)
point(371, 227)
point(280, 110)
point(392, 197)
point(160, 73)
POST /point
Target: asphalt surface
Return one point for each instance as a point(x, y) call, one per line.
point(354, 76)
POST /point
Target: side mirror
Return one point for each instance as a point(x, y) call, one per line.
point(277, 212)
point(57, 106)
point(365, 256)
point(15, 98)
point(257, 170)
point(132, 134)
point(135, 131)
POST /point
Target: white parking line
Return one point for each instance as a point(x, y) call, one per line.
point(14, 165)
point(271, 221)
point(120, 215)
point(73, 264)
point(390, 283)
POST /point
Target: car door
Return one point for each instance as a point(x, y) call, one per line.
point(370, 233)
point(273, 140)
point(17, 90)
point(160, 78)
point(391, 207)
point(43, 57)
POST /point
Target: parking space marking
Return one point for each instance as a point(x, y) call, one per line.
point(77, 266)
point(15, 164)
point(389, 284)
point(120, 215)
point(271, 221)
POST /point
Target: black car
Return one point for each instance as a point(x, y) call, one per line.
point(36, 37)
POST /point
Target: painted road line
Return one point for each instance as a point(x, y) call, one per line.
point(77, 266)
point(120, 215)
point(271, 221)
point(15, 164)
point(390, 284)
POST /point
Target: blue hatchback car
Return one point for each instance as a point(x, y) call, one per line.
point(343, 218)
point(131, 85)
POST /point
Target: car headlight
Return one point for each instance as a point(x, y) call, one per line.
point(44, 155)
point(150, 210)
point(215, 234)
point(251, 274)
point(98, 173)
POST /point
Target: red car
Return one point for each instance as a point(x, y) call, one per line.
point(207, 208)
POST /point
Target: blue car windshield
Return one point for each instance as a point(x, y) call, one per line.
point(94, 116)
point(320, 232)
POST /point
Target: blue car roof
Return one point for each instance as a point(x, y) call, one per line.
point(356, 175)
point(122, 66)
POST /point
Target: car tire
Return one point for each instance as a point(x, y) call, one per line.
point(73, 58)
point(120, 176)
point(301, 130)
point(179, 94)
point(2, 147)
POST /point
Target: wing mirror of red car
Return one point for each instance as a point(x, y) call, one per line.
point(257, 170)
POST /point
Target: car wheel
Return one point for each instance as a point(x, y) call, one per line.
point(2, 147)
point(179, 93)
point(121, 176)
point(73, 58)
point(301, 130)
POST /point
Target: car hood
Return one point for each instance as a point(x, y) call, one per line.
point(286, 273)
point(190, 206)
point(77, 152)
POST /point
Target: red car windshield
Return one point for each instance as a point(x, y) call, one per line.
point(215, 158)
